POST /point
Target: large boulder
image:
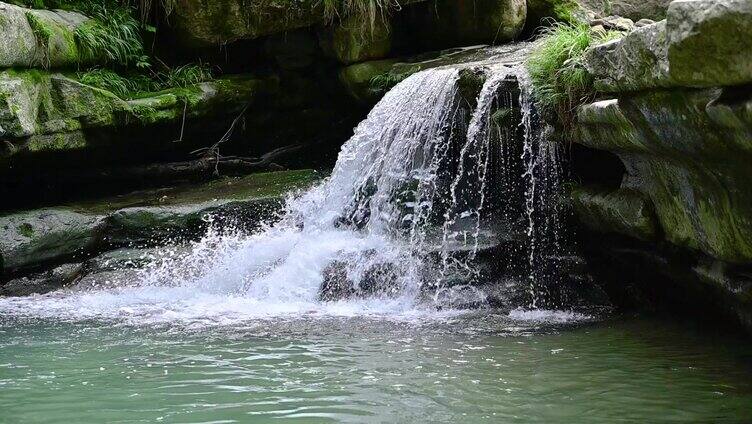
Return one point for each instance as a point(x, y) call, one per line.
point(452, 23)
point(709, 42)
point(702, 43)
point(30, 239)
point(40, 38)
point(635, 62)
point(349, 42)
point(688, 151)
point(202, 23)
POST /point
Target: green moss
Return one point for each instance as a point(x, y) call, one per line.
point(42, 33)
point(254, 186)
point(26, 230)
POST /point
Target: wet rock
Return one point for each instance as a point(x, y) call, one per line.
point(28, 239)
point(453, 23)
point(622, 211)
point(336, 285)
point(159, 224)
point(119, 259)
point(42, 283)
point(709, 42)
point(32, 239)
point(688, 151)
point(380, 279)
point(349, 42)
point(377, 280)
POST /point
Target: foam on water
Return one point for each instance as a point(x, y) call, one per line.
point(377, 211)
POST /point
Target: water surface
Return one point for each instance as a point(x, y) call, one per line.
point(452, 367)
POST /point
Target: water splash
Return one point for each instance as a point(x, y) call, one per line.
point(405, 210)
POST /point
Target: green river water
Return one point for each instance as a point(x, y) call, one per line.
point(463, 368)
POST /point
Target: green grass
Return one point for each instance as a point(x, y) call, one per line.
point(112, 34)
point(131, 85)
point(560, 81)
point(384, 82)
point(183, 76)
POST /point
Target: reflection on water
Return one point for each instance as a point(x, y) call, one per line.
point(476, 367)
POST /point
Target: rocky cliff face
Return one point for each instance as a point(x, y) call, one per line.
point(674, 108)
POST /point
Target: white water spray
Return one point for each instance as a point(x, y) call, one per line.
point(367, 232)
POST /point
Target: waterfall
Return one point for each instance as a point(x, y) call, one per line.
point(427, 183)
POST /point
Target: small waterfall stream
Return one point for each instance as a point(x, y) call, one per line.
point(428, 185)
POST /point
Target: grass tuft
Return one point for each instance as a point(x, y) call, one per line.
point(112, 34)
point(560, 80)
point(135, 84)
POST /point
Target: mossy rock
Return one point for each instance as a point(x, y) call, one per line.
point(201, 23)
point(623, 211)
point(708, 42)
point(357, 79)
point(689, 152)
point(349, 42)
point(40, 38)
point(637, 61)
point(31, 239)
point(37, 237)
point(42, 111)
point(452, 23)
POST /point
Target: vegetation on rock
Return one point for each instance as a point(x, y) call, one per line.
point(132, 85)
point(362, 14)
point(112, 33)
point(42, 34)
point(555, 65)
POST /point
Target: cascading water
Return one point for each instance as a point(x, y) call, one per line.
point(414, 197)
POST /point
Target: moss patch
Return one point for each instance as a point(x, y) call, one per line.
point(26, 230)
point(261, 185)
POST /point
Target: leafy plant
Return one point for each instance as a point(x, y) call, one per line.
point(560, 80)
